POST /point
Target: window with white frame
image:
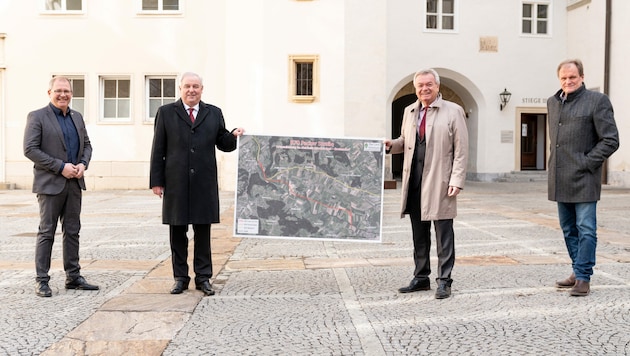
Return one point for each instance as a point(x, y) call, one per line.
point(78, 94)
point(115, 99)
point(160, 6)
point(535, 18)
point(440, 15)
point(303, 78)
point(63, 6)
point(160, 91)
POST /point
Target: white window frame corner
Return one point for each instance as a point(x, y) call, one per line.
point(441, 30)
point(158, 12)
point(549, 18)
point(101, 100)
point(45, 11)
point(146, 118)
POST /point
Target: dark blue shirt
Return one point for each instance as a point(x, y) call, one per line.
point(70, 134)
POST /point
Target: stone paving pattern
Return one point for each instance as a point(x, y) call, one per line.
point(289, 297)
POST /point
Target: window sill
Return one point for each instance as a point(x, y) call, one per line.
point(303, 98)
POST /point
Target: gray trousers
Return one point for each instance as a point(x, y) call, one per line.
point(64, 207)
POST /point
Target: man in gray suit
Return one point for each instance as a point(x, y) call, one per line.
point(56, 140)
point(583, 135)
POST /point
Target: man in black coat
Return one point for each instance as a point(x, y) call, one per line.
point(582, 133)
point(184, 173)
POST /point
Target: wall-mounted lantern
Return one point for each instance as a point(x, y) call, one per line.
point(505, 98)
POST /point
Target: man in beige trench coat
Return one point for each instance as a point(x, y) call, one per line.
point(434, 141)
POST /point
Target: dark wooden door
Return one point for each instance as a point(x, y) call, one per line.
point(529, 142)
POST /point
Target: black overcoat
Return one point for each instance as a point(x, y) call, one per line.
point(582, 133)
point(183, 161)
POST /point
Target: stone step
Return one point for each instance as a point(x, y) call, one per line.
point(524, 176)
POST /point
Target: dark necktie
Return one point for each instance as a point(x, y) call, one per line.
point(192, 117)
point(423, 124)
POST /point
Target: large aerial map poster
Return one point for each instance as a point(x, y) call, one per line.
point(309, 188)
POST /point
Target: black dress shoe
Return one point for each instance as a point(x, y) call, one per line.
point(179, 287)
point(80, 283)
point(417, 284)
point(443, 290)
point(205, 287)
point(42, 289)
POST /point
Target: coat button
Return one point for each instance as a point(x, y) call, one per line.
point(192, 170)
point(192, 150)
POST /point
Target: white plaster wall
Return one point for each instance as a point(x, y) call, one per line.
point(260, 41)
point(109, 39)
point(524, 65)
point(619, 162)
point(368, 51)
point(586, 40)
point(365, 65)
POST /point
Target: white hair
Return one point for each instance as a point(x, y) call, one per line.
point(190, 74)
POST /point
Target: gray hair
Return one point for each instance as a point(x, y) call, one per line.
point(56, 78)
point(190, 74)
point(427, 71)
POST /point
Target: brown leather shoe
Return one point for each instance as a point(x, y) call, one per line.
point(581, 288)
point(567, 283)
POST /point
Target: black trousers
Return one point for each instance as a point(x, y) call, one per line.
point(444, 242)
point(202, 260)
point(64, 207)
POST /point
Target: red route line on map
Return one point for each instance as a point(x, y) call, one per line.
point(292, 192)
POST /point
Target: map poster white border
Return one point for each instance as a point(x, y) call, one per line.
point(309, 188)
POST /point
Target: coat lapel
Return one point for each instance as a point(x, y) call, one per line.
point(181, 112)
point(203, 113)
point(52, 118)
point(77, 125)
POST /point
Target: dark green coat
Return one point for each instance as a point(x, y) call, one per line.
point(582, 133)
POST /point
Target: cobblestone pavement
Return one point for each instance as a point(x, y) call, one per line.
point(287, 297)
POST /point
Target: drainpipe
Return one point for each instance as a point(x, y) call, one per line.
point(607, 48)
point(607, 72)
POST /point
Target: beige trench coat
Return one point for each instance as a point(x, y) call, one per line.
point(445, 160)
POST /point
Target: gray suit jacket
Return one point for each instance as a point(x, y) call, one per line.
point(583, 134)
point(44, 144)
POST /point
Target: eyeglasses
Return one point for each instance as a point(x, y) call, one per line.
point(62, 91)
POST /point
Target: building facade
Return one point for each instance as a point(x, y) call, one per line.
point(316, 68)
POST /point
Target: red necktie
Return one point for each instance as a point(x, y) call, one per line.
point(423, 124)
point(192, 117)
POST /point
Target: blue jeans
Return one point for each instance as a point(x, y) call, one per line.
point(579, 225)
